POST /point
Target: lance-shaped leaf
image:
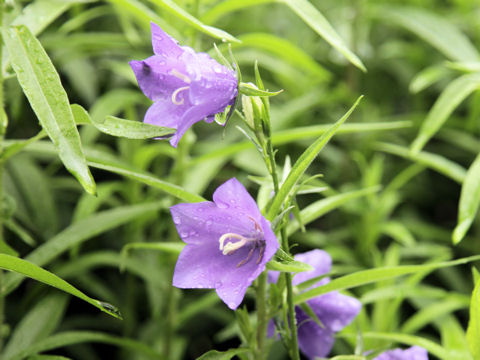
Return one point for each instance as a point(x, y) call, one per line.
point(473, 331)
point(41, 84)
point(33, 271)
point(314, 18)
point(450, 98)
point(303, 163)
point(469, 201)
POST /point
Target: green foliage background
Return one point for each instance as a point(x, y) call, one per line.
point(400, 184)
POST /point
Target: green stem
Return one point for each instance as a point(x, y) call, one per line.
point(262, 316)
point(288, 277)
point(2, 133)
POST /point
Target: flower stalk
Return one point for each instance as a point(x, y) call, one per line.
point(3, 126)
point(262, 120)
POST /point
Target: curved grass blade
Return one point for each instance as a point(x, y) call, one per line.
point(473, 330)
point(78, 233)
point(469, 201)
point(26, 268)
point(285, 50)
point(67, 338)
point(432, 347)
point(41, 84)
point(177, 11)
point(223, 355)
point(434, 29)
point(433, 161)
point(107, 162)
point(228, 6)
point(314, 18)
point(323, 206)
point(374, 275)
point(40, 321)
point(450, 98)
point(115, 126)
point(303, 163)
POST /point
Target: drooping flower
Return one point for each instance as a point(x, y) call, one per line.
point(334, 310)
point(185, 86)
point(413, 353)
point(228, 242)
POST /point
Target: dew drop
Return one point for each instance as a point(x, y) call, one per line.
point(184, 234)
point(176, 220)
point(209, 222)
point(222, 205)
point(217, 69)
point(162, 63)
point(218, 284)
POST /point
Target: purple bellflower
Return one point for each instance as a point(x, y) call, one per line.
point(334, 310)
point(185, 86)
point(413, 353)
point(228, 242)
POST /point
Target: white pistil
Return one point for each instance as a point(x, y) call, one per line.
point(180, 76)
point(175, 94)
point(230, 248)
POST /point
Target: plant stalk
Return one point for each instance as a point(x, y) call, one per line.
point(2, 134)
point(262, 316)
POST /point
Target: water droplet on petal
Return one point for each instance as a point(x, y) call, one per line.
point(162, 63)
point(184, 234)
point(209, 222)
point(218, 284)
point(222, 205)
point(176, 220)
point(217, 69)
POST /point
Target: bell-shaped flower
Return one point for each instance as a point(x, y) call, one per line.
point(413, 353)
point(334, 310)
point(228, 242)
point(185, 86)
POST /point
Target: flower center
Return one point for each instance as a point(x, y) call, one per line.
point(229, 247)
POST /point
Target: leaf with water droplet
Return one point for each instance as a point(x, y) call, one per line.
point(41, 84)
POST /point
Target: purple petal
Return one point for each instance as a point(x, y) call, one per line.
point(164, 44)
point(192, 115)
point(313, 340)
point(413, 353)
point(335, 310)
point(155, 77)
point(202, 263)
point(165, 113)
point(320, 261)
point(232, 194)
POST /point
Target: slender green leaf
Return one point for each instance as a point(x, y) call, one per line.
point(374, 275)
point(132, 129)
point(35, 272)
point(177, 11)
point(78, 337)
point(41, 84)
point(40, 321)
point(228, 6)
point(292, 266)
point(106, 162)
point(450, 98)
point(433, 161)
point(324, 206)
point(314, 18)
point(473, 331)
point(222, 355)
point(432, 347)
point(79, 232)
point(284, 50)
point(469, 201)
point(303, 163)
point(251, 90)
point(434, 29)
point(427, 77)
point(427, 315)
point(115, 126)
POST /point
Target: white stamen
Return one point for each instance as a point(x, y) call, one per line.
point(227, 248)
point(175, 94)
point(180, 76)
